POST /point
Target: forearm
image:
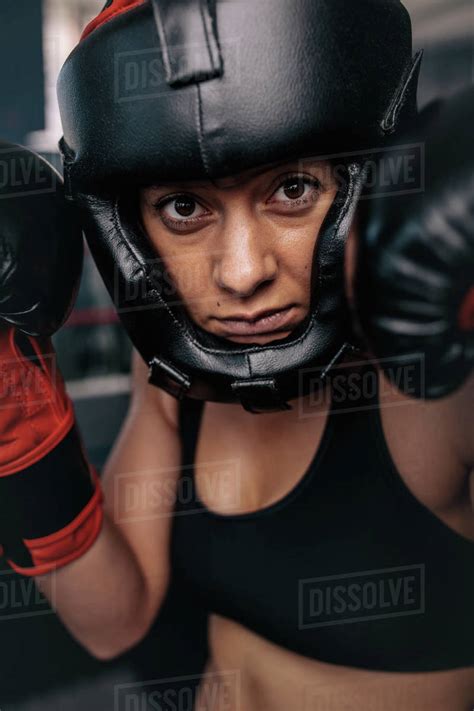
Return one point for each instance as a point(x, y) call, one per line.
point(108, 597)
point(102, 597)
point(56, 519)
point(105, 573)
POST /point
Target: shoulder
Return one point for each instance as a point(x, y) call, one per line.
point(429, 441)
point(458, 413)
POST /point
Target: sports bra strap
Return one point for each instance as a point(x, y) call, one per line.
point(353, 390)
point(190, 414)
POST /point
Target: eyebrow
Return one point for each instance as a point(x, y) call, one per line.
point(235, 179)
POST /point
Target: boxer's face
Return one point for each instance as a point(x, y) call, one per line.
point(240, 246)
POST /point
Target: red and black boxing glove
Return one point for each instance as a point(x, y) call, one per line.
point(414, 283)
point(50, 497)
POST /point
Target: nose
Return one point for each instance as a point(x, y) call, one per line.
point(245, 259)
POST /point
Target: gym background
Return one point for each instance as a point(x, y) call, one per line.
point(41, 667)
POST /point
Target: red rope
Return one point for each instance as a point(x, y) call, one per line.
point(95, 316)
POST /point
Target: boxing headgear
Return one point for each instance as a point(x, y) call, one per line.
point(159, 90)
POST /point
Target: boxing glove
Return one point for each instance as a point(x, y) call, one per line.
point(413, 289)
point(50, 497)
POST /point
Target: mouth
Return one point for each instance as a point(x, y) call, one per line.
point(264, 323)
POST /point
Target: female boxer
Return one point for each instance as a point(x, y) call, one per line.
point(331, 538)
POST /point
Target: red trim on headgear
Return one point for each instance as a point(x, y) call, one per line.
point(117, 7)
point(466, 312)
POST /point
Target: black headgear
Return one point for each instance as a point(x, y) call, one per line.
point(160, 89)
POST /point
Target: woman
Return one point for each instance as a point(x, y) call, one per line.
point(282, 465)
point(330, 541)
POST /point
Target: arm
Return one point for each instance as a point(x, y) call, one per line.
point(109, 597)
point(105, 576)
point(410, 280)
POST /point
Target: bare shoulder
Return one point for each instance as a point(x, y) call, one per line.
point(460, 411)
point(428, 442)
point(150, 398)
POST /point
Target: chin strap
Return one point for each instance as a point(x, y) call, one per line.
point(259, 396)
point(256, 395)
point(164, 375)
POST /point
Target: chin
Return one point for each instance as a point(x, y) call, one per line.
point(262, 340)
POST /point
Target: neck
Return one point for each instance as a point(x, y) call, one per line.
point(314, 404)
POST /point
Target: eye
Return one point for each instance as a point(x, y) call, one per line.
point(297, 190)
point(180, 210)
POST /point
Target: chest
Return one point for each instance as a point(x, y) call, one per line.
point(289, 515)
point(238, 469)
point(291, 568)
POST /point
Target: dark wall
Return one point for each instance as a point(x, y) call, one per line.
point(447, 67)
point(21, 69)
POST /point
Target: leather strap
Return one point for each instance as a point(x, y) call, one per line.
point(164, 375)
point(259, 396)
point(409, 79)
point(189, 41)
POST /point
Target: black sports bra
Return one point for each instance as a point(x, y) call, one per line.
point(347, 568)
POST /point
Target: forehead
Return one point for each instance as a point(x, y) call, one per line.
point(245, 177)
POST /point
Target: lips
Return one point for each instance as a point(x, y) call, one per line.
point(269, 322)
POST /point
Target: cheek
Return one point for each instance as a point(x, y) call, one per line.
point(188, 270)
point(295, 261)
point(184, 271)
point(298, 252)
